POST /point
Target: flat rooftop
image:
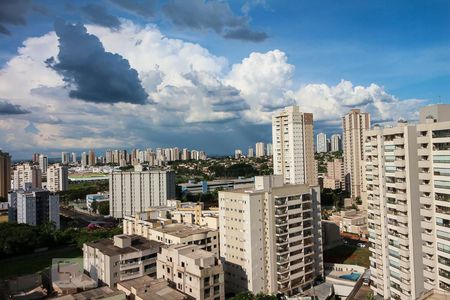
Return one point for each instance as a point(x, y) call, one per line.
point(98, 293)
point(152, 289)
point(182, 230)
point(139, 243)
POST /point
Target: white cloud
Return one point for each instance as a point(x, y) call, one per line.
point(190, 85)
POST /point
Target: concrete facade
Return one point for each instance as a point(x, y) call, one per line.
point(193, 271)
point(270, 237)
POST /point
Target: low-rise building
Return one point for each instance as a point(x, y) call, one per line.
point(147, 288)
point(351, 221)
point(101, 293)
point(122, 258)
point(193, 271)
point(99, 197)
point(171, 234)
point(68, 278)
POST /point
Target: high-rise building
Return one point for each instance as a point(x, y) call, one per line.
point(185, 155)
point(65, 158)
point(92, 161)
point(336, 143)
point(74, 158)
point(408, 190)
point(57, 178)
point(353, 125)
point(260, 151)
point(43, 163)
point(321, 143)
point(84, 159)
point(334, 178)
point(35, 158)
point(133, 192)
point(293, 146)
point(270, 236)
point(250, 152)
point(5, 174)
point(269, 151)
point(237, 153)
point(193, 271)
point(33, 207)
point(27, 174)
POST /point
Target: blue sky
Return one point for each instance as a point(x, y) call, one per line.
point(386, 57)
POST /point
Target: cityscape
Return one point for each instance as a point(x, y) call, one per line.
point(167, 150)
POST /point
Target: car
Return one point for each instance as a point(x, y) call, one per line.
point(361, 245)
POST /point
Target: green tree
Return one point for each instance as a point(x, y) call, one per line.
point(103, 208)
point(94, 206)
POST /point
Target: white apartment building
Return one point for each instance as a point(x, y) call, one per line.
point(354, 124)
point(334, 178)
point(408, 193)
point(269, 149)
point(74, 158)
point(193, 271)
point(293, 146)
point(251, 152)
point(33, 207)
point(65, 158)
point(57, 178)
point(133, 192)
point(149, 226)
point(336, 143)
point(109, 261)
point(260, 150)
point(27, 174)
point(270, 237)
point(321, 143)
point(237, 153)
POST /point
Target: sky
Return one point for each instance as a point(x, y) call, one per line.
point(208, 75)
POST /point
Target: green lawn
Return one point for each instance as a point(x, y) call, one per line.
point(33, 263)
point(347, 254)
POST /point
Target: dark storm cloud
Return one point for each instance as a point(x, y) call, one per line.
point(214, 15)
point(97, 14)
point(94, 74)
point(7, 108)
point(245, 34)
point(13, 13)
point(145, 8)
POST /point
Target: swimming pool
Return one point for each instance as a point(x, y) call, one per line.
point(354, 276)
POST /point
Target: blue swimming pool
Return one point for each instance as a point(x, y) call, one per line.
point(354, 276)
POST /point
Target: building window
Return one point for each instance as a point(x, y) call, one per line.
point(180, 275)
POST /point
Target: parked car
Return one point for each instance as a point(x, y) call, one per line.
point(361, 245)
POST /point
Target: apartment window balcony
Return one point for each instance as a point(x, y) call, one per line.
point(444, 286)
point(444, 273)
point(443, 197)
point(280, 202)
point(441, 133)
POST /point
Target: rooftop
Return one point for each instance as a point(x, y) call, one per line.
point(99, 293)
point(138, 243)
point(182, 230)
point(152, 289)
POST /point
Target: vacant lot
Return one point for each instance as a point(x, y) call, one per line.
point(35, 262)
point(348, 254)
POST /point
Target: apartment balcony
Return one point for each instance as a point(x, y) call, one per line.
point(426, 225)
point(428, 262)
point(400, 185)
point(422, 139)
point(282, 278)
point(282, 240)
point(282, 269)
point(424, 164)
point(399, 141)
point(426, 212)
point(426, 200)
point(280, 211)
point(425, 188)
point(429, 274)
point(399, 152)
point(281, 222)
point(282, 250)
point(425, 176)
point(400, 174)
point(423, 151)
point(282, 259)
point(399, 163)
point(280, 231)
point(280, 202)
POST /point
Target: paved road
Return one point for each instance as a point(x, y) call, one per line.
point(364, 290)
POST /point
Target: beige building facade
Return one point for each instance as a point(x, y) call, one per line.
point(57, 178)
point(270, 237)
point(354, 124)
point(293, 146)
point(193, 271)
point(27, 173)
point(124, 257)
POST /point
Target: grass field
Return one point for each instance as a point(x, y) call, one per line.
point(348, 254)
point(33, 263)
